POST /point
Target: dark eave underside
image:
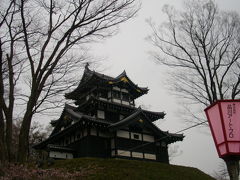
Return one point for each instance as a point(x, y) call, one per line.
point(59, 148)
point(82, 120)
point(153, 116)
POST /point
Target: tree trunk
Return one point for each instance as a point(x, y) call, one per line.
point(23, 144)
point(24, 138)
point(9, 111)
point(9, 136)
point(3, 154)
point(233, 168)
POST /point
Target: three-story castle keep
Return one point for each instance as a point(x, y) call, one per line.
point(106, 123)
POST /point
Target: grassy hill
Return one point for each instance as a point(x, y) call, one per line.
point(104, 169)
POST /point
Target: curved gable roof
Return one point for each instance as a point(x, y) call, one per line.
point(133, 118)
point(123, 78)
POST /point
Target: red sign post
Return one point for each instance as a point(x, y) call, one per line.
point(224, 121)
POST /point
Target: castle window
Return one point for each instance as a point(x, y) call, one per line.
point(125, 97)
point(103, 94)
point(136, 136)
point(116, 94)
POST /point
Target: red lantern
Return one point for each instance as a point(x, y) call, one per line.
point(224, 120)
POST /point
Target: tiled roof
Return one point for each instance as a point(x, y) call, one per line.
point(90, 75)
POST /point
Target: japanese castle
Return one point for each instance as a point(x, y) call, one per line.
point(105, 123)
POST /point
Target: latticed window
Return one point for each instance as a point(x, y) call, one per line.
point(136, 136)
point(125, 97)
point(116, 94)
point(103, 94)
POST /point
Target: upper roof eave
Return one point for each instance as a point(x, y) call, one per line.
point(155, 115)
point(89, 74)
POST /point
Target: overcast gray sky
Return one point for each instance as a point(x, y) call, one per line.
point(128, 50)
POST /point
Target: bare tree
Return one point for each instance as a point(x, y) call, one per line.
point(10, 70)
point(37, 133)
point(202, 46)
point(51, 38)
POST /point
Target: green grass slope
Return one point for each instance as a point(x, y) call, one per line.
point(119, 169)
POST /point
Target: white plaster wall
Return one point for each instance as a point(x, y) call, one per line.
point(123, 153)
point(109, 94)
point(113, 153)
point(123, 134)
point(93, 132)
point(101, 98)
point(116, 100)
point(61, 155)
point(121, 116)
point(103, 134)
point(116, 88)
point(137, 154)
point(148, 138)
point(124, 90)
point(100, 114)
point(87, 97)
point(150, 156)
point(125, 102)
